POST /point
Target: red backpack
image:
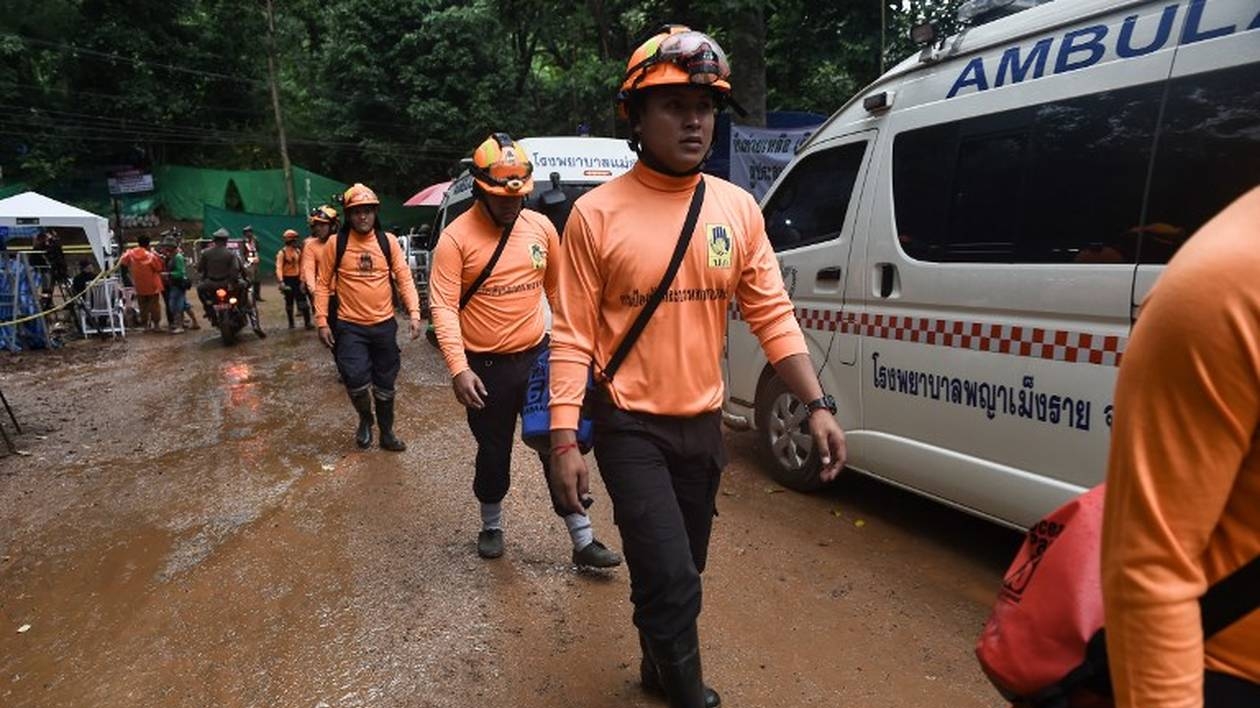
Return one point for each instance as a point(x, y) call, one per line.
point(1044, 645)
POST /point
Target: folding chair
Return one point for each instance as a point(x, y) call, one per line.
point(102, 308)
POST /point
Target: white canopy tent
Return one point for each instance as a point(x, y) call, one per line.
point(33, 210)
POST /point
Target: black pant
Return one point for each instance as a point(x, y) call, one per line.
point(1226, 691)
point(505, 377)
point(367, 355)
point(293, 295)
point(662, 473)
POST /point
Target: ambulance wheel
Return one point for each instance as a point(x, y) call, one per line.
point(785, 439)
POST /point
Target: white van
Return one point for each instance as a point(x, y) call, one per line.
point(565, 167)
point(968, 240)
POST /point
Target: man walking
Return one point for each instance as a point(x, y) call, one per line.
point(1182, 512)
point(490, 270)
point(658, 440)
point(323, 223)
point(146, 269)
point(252, 261)
point(289, 278)
point(363, 269)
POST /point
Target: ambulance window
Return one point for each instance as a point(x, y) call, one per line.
point(810, 204)
point(1087, 175)
point(1208, 155)
point(985, 214)
point(1059, 182)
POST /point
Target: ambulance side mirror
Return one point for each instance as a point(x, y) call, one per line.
point(554, 196)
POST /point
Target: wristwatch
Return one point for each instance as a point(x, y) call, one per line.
point(826, 401)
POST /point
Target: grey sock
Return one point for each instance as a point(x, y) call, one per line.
point(491, 516)
point(579, 530)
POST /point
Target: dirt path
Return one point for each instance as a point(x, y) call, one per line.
point(192, 528)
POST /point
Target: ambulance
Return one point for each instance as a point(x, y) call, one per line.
point(565, 167)
point(968, 241)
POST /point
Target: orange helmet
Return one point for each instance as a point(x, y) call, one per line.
point(502, 167)
point(322, 214)
point(359, 195)
point(677, 55)
point(290, 235)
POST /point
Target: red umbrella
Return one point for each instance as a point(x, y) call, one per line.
point(429, 196)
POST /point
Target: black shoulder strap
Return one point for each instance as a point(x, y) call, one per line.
point(1231, 598)
point(680, 249)
point(485, 272)
point(343, 239)
point(382, 240)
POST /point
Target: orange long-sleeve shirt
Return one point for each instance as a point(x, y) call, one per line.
point(288, 263)
point(362, 282)
point(146, 270)
point(1183, 480)
point(311, 248)
point(506, 313)
point(617, 245)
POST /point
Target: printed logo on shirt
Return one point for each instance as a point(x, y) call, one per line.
point(719, 238)
point(365, 263)
point(538, 256)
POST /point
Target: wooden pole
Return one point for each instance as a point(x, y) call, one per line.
point(275, 104)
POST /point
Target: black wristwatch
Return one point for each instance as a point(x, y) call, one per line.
point(826, 401)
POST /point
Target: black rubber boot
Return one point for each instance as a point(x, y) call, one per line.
point(385, 419)
point(362, 401)
point(651, 679)
point(678, 667)
point(290, 314)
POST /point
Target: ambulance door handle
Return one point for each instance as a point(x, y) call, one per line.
point(888, 280)
point(829, 275)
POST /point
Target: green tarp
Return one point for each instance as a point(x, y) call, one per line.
point(185, 191)
point(269, 229)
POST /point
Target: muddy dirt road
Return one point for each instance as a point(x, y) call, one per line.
point(191, 527)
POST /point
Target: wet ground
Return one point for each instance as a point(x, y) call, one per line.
point(189, 526)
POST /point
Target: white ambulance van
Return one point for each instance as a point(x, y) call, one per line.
point(565, 167)
point(967, 243)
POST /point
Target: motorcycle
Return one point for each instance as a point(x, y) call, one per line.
point(228, 314)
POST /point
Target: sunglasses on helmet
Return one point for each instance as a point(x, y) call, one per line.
point(694, 52)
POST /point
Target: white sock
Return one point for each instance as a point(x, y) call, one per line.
point(579, 530)
point(491, 516)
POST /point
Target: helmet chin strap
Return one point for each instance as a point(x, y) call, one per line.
point(479, 195)
point(647, 158)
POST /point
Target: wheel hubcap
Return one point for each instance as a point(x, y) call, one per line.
point(788, 440)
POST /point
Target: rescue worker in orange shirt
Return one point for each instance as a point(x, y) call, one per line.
point(289, 278)
point(1182, 511)
point(658, 437)
point(362, 269)
point(491, 336)
point(323, 223)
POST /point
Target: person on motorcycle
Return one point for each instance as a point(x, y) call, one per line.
point(364, 268)
point(220, 267)
point(491, 336)
point(288, 275)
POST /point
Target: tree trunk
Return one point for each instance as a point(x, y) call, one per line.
point(748, 62)
point(275, 104)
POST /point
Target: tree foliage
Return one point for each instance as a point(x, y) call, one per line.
point(392, 92)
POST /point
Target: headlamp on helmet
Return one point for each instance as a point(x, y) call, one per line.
point(501, 167)
point(322, 214)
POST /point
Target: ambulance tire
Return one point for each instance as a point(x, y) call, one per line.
point(785, 440)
